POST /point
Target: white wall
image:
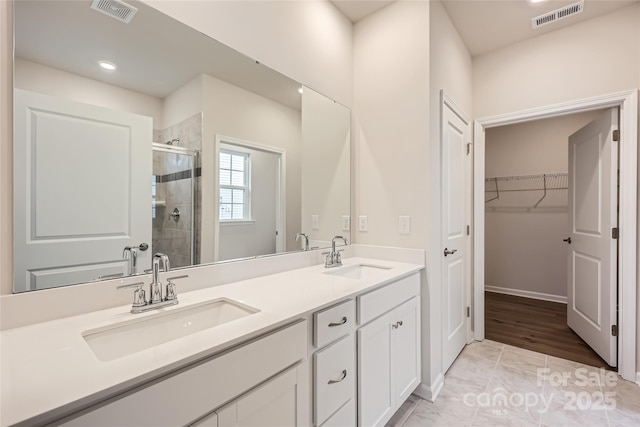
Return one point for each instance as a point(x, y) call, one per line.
point(449, 70)
point(587, 59)
point(326, 179)
point(308, 41)
point(524, 251)
point(183, 103)
point(51, 81)
point(591, 58)
point(236, 113)
point(403, 56)
point(391, 113)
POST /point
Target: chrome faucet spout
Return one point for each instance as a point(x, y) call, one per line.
point(333, 258)
point(306, 240)
point(155, 289)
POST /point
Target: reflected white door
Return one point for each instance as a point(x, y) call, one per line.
point(82, 190)
point(593, 204)
point(455, 211)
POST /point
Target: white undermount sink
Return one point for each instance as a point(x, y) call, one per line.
point(122, 339)
point(357, 271)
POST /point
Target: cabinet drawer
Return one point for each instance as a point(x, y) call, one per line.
point(381, 300)
point(334, 378)
point(333, 323)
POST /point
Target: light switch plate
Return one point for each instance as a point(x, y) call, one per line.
point(363, 223)
point(404, 225)
point(346, 222)
point(315, 222)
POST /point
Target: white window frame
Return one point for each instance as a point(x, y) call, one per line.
point(246, 188)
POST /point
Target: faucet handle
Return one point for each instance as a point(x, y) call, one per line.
point(139, 299)
point(171, 287)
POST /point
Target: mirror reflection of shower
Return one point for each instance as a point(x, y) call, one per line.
point(174, 209)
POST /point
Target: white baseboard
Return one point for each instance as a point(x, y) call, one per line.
point(430, 393)
point(638, 378)
point(526, 294)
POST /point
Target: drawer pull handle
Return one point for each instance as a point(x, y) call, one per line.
point(342, 322)
point(397, 325)
point(342, 377)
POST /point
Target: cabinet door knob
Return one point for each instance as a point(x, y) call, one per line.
point(342, 377)
point(341, 322)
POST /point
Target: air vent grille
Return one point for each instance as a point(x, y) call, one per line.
point(558, 14)
point(115, 9)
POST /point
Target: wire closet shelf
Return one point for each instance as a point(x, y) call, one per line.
point(544, 183)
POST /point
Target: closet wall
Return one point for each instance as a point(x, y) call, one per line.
point(524, 251)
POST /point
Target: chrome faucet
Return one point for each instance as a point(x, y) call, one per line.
point(155, 288)
point(306, 240)
point(142, 304)
point(333, 258)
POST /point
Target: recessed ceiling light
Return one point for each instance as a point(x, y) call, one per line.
point(107, 65)
point(300, 90)
point(536, 1)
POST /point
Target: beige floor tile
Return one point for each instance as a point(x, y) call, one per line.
point(405, 411)
point(492, 384)
point(525, 352)
point(527, 361)
point(442, 413)
point(471, 367)
point(484, 349)
point(507, 417)
point(623, 417)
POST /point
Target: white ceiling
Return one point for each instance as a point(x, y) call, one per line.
point(487, 25)
point(155, 54)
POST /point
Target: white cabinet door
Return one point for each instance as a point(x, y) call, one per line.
point(273, 404)
point(375, 405)
point(388, 363)
point(405, 350)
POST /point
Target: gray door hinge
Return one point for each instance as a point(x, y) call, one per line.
point(614, 233)
point(468, 311)
point(468, 230)
point(614, 330)
point(616, 135)
point(468, 148)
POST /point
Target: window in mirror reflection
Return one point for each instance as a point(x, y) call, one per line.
point(234, 186)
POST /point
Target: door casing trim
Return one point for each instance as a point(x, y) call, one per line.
point(627, 102)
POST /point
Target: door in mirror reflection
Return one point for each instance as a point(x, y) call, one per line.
point(83, 195)
point(251, 220)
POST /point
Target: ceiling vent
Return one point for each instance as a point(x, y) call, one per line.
point(558, 14)
point(115, 9)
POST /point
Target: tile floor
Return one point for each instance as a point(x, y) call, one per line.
point(493, 384)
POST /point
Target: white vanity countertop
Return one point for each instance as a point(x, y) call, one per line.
point(48, 369)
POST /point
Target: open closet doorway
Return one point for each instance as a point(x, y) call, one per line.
point(528, 257)
point(627, 263)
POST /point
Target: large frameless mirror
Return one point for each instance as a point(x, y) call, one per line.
point(136, 134)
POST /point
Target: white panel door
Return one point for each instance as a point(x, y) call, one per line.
point(455, 211)
point(82, 190)
point(593, 204)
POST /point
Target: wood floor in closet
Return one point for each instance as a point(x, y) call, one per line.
point(536, 325)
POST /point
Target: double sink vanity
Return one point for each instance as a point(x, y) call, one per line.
point(306, 346)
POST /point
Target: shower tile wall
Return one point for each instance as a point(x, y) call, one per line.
point(170, 236)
